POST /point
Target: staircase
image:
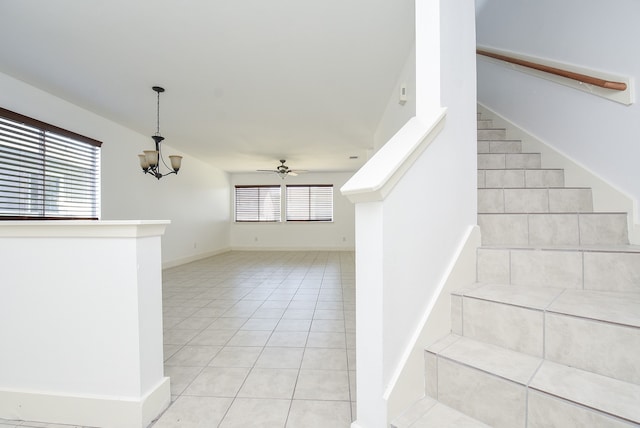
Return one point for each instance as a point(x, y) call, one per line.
point(549, 336)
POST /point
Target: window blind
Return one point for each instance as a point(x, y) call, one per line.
point(257, 203)
point(310, 203)
point(46, 172)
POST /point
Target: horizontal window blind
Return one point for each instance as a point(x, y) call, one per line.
point(257, 203)
point(310, 203)
point(46, 172)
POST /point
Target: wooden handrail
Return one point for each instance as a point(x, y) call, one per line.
point(616, 86)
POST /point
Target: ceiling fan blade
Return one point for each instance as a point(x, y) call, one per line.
point(266, 170)
point(292, 173)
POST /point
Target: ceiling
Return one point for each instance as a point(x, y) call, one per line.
point(247, 82)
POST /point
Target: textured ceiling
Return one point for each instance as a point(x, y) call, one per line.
point(247, 82)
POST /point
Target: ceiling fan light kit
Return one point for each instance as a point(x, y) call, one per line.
point(283, 170)
point(150, 159)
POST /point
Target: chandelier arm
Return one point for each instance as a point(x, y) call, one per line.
point(163, 162)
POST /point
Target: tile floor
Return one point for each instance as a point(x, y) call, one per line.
point(259, 339)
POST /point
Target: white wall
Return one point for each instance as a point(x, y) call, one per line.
point(339, 234)
point(196, 200)
point(601, 135)
point(397, 114)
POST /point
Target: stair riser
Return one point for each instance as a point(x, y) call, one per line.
point(534, 200)
point(500, 146)
point(492, 134)
point(520, 178)
point(509, 161)
point(487, 398)
point(567, 269)
point(553, 229)
point(546, 411)
point(599, 347)
point(511, 327)
point(485, 124)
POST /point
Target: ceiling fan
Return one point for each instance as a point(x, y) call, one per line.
point(282, 170)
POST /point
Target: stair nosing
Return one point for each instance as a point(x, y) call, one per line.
point(553, 302)
point(495, 352)
point(620, 249)
point(607, 383)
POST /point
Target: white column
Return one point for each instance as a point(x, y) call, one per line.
point(371, 406)
point(81, 322)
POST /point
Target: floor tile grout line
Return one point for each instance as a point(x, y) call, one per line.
point(322, 288)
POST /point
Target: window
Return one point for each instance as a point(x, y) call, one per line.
point(310, 203)
point(258, 203)
point(46, 172)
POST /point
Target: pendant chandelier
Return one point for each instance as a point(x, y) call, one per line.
point(150, 160)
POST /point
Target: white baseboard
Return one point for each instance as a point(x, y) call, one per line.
point(292, 249)
point(193, 258)
point(95, 411)
point(178, 262)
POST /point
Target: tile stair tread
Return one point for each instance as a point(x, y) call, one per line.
point(414, 412)
point(499, 139)
point(517, 169)
point(511, 365)
point(516, 295)
point(536, 188)
point(442, 416)
point(543, 212)
point(608, 395)
point(607, 306)
point(615, 307)
point(443, 343)
point(605, 394)
point(431, 413)
point(509, 153)
point(511, 169)
point(622, 248)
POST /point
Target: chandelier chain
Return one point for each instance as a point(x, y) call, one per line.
point(158, 115)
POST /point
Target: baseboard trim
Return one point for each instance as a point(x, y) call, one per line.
point(87, 410)
point(292, 249)
point(193, 258)
point(183, 261)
